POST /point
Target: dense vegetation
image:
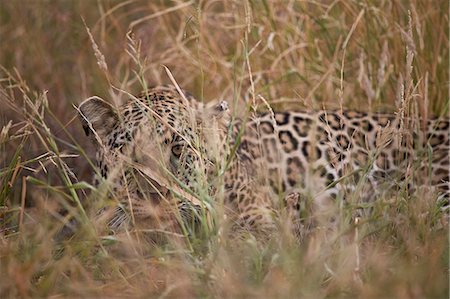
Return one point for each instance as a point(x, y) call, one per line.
point(362, 54)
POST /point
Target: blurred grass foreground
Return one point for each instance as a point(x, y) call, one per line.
point(358, 54)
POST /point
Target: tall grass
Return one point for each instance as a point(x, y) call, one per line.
point(365, 55)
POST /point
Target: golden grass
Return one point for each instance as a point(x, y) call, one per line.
point(378, 55)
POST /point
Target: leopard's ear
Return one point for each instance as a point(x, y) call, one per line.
point(220, 109)
point(97, 117)
point(215, 110)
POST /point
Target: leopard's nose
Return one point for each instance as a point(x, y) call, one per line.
point(158, 192)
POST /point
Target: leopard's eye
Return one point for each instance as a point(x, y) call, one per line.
point(177, 150)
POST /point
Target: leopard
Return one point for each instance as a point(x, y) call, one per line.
point(260, 164)
point(144, 151)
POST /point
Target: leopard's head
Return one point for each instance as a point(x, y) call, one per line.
point(163, 140)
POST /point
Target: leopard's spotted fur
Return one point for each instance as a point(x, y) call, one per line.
point(321, 155)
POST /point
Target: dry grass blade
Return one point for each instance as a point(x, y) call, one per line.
point(160, 13)
point(98, 54)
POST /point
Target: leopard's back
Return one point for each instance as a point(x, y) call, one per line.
point(326, 154)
